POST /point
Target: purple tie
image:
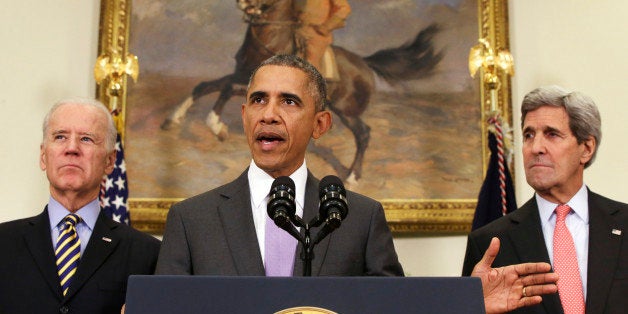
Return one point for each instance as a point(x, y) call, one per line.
point(279, 251)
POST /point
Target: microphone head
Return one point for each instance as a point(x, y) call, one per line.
point(333, 196)
point(281, 198)
point(331, 183)
point(284, 181)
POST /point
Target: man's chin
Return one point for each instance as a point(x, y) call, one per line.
point(70, 185)
point(265, 163)
point(540, 185)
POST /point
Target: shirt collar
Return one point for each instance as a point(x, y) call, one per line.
point(579, 203)
point(260, 183)
point(88, 213)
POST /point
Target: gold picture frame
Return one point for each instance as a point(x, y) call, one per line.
point(443, 216)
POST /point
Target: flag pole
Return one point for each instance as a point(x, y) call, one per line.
point(491, 63)
point(112, 67)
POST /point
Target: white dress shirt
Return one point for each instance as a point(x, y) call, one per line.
point(577, 222)
point(259, 185)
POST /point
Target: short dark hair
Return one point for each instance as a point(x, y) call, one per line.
point(316, 82)
point(584, 117)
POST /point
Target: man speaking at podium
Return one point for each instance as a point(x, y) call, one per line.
point(226, 231)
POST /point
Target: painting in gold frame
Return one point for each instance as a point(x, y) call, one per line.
point(120, 33)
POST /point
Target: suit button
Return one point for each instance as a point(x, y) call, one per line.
point(64, 310)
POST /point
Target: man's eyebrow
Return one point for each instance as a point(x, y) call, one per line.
point(291, 96)
point(551, 129)
point(59, 131)
point(257, 94)
point(91, 134)
point(544, 129)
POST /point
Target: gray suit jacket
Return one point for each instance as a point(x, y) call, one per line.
point(30, 283)
point(213, 234)
point(522, 241)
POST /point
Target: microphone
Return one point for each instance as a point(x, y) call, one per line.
point(333, 207)
point(281, 207)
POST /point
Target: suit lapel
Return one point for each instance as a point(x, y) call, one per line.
point(604, 250)
point(40, 246)
point(102, 243)
point(527, 236)
point(237, 220)
point(529, 243)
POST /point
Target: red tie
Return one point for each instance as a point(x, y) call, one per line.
point(566, 265)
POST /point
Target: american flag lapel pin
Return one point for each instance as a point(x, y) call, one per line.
point(106, 239)
point(616, 232)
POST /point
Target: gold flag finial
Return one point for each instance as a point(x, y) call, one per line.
point(483, 57)
point(112, 69)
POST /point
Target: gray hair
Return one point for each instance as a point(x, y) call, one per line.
point(584, 117)
point(110, 138)
point(316, 83)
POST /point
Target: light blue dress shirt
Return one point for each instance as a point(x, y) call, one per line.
point(88, 214)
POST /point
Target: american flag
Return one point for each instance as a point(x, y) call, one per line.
point(114, 192)
point(491, 205)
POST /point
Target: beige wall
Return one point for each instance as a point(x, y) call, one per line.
point(49, 48)
point(48, 51)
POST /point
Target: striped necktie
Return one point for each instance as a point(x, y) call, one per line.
point(68, 251)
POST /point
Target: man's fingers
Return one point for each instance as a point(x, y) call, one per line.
point(527, 301)
point(532, 268)
point(490, 254)
point(537, 290)
point(539, 279)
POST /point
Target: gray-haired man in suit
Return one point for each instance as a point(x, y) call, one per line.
point(561, 134)
point(37, 276)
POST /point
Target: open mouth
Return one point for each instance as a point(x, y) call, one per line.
point(269, 139)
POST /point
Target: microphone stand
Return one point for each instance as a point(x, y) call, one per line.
point(307, 254)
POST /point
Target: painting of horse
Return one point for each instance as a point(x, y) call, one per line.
point(401, 113)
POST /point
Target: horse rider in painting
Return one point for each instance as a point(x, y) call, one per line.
point(317, 19)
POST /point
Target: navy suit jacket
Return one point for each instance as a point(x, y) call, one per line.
point(29, 281)
point(213, 234)
point(522, 241)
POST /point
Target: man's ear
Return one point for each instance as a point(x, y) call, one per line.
point(42, 159)
point(589, 146)
point(110, 162)
point(322, 123)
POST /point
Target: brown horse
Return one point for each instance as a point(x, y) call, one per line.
point(272, 31)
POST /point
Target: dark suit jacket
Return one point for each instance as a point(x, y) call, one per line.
point(213, 234)
point(522, 241)
point(29, 281)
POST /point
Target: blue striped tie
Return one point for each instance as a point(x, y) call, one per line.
point(68, 251)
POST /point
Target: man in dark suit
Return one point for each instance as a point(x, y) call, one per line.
point(87, 271)
point(224, 231)
point(218, 232)
point(561, 133)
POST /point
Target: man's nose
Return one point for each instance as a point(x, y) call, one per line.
point(538, 145)
point(72, 145)
point(270, 113)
